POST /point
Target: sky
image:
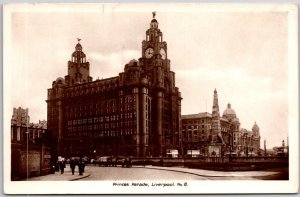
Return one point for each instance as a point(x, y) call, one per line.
point(244, 55)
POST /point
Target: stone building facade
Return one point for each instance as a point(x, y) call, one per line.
point(197, 129)
point(136, 113)
point(30, 146)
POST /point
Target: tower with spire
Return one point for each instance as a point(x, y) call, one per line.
point(216, 125)
point(215, 138)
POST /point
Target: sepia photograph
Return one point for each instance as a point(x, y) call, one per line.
point(150, 98)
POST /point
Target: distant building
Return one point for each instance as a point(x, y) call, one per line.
point(21, 127)
point(20, 117)
point(29, 141)
point(136, 113)
point(282, 150)
point(197, 129)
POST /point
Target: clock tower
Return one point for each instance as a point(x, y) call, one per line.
point(78, 67)
point(154, 46)
point(164, 95)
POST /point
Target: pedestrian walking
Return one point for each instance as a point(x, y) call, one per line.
point(62, 166)
point(72, 165)
point(83, 165)
point(161, 161)
point(80, 166)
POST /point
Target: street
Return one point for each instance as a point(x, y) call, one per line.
point(137, 173)
point(149, 172)
point(172, 173)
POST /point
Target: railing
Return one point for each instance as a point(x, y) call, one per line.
point(182, 161)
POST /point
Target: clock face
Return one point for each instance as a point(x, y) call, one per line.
point(149, 53)
point(163, 53)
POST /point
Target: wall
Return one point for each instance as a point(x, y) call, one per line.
point(28, 163)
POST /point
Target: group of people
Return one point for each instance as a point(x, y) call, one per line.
point(61, 164)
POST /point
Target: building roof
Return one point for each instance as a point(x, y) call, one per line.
point(154, 21)
point(229, 111)
point(199, 115)
point(255, 127)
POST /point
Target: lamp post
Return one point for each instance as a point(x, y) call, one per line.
point(27, 155)
point(247, 144)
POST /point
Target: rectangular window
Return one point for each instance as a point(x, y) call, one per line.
point(18, 134)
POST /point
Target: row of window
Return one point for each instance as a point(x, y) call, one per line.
point(196, 121)
point(101, 119)
point(201, 126)
point(111, 133)
point(17, 132)
point(112, 104)
point(196, 127)
point(102, 126)
point(86, 90)
point(106, 110)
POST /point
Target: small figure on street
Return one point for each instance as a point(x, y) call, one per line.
point(129, 164)
point(161, 162)
point(72, 165)
point(80, 166)
point(62, 166)
point(57, 165)
point(83, 165)
point(53, 169)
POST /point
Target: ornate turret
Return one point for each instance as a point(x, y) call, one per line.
point(154, 46)
point(255, 130)
point(78, 67)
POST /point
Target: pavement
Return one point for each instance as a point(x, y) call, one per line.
point(66, 176)
point(206, 174)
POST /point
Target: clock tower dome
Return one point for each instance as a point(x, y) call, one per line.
point(154, 47)
point(78, 67)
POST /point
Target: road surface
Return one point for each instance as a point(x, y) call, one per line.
point(137, 173)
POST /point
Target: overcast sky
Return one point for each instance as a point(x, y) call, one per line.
point(241, 54)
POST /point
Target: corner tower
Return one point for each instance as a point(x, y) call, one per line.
point(154, 46)
point(165, 98)
point(256, 138)
point(78, 67)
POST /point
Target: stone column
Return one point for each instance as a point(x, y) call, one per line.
point(159, 116)
point(143, 120)
point(60, 124)
point(59, 129)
